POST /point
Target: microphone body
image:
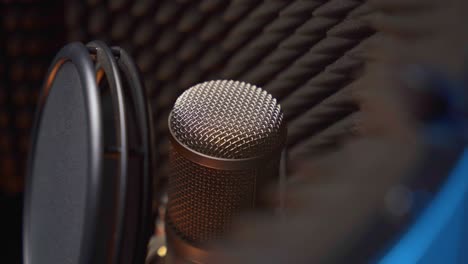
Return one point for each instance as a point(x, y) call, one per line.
point(226, 143)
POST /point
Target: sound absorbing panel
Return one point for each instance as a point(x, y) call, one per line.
point(31, 34)
point(341, 209)
point(307, 53)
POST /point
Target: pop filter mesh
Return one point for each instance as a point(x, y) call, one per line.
point(59, 174)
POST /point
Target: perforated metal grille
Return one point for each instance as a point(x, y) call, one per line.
point(224, 119)
point(228, 119)
point(203, 202)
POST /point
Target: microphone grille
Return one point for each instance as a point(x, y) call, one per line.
point(228, 119)
point(203, 201)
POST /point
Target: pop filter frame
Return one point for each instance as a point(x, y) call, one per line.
point(116, 220)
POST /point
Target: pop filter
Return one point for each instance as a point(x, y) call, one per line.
point(92, 128)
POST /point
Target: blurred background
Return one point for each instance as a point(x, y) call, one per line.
point(319, 58)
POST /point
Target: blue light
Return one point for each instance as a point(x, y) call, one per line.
point(440, 233)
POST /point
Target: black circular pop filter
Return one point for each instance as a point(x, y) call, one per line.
point(87, 197)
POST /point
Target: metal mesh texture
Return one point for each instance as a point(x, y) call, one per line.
point(224, 119)
point(203, 201)
point(228, 119)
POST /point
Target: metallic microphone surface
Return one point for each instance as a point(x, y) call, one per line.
point(226, 141)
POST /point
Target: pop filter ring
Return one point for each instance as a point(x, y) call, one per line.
point(146, 148)
point(105, 59)
point(94, 246)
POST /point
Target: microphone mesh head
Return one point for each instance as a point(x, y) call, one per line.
point(228, 119)
point(222, 119)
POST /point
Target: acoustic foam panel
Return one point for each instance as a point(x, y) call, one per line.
point(307, 53)
point(31, 34)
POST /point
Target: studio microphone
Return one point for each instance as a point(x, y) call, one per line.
point(226, 142)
